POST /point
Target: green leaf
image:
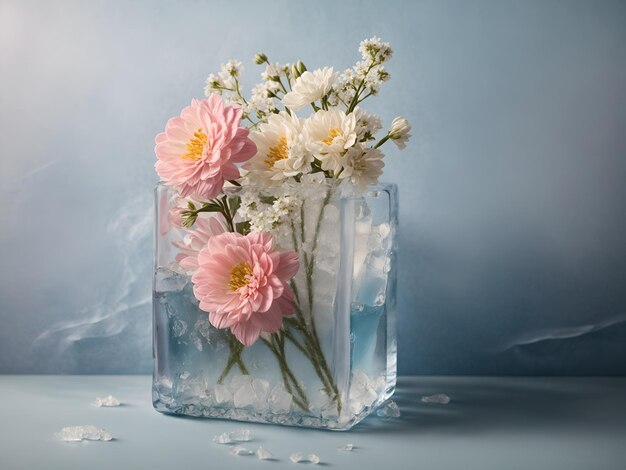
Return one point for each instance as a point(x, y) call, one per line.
point(243, 227)
point(235, 203)
point(267, 199)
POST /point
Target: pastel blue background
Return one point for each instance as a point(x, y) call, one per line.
point(513, 253)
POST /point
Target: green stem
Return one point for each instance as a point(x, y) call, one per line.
point(277, 347)
point(236, 348)
point(382, 141)
point(357, 93)
point(310, 334)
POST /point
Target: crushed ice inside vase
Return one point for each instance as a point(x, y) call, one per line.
point(348, 313)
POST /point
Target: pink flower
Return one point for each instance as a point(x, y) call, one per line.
point(242, 282)
point(199, 149)
point(195, 240)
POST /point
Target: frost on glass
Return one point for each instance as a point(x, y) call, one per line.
point(346, 300)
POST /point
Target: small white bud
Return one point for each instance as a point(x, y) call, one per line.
point(260, 58)
point(400, 132)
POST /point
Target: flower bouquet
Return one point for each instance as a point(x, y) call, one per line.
point(274, 283)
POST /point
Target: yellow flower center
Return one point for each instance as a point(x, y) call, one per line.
point(277, 152)
point(196, 145)
point(334, 132)
point(239, 276)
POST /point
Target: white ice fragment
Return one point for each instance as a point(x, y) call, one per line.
point(223, 438)
point(261, 391)
point(346, 447)
point(439, 398)
point(263, 454)
point(109, 400)
point(313, 458)
point(239, 381)
point(296, 457)
point(362, 392)
point(242, 435)
point(244, 396)
point(384, 230)
point(331, 213)
point(221, 394)
point(279, 399)
point(169, 281)
point(390, 410)
point(79, 433)
point(240, 450)
point(185, 375)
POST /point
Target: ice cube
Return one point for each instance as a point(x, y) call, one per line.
point(196, 341)
point(279, 399)
point(362, 229)
point(203, 327)
point(244, 396)
point(313, 458)
point(169, 281)
point(390, 410)
point(346, 447)
point(362, 391)
point(384, 230)
point(296, 457)
point(223, 438)
point(242, 435)
point(79, 433)
point(261, 391)
point(109, 400)
point(439, 398)
point(239, 381)
point(263, 454)
point(221, 394)
point(179, 327)
point(240, 450)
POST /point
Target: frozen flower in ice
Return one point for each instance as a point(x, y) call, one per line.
point(281, 150)
point(196, 239)
point(309, 87)
point(329, 134)
point(242, 281)
point(199, 149)
point(400, 132)
point(361, 165)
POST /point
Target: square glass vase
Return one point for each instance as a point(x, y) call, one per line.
point(333, 361)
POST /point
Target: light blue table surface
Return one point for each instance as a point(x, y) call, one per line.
point(491, 423)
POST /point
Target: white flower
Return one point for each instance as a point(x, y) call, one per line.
point(261, 99)
point(213, 84)
point(281, 150)
point(264, 217)
point(313, 178)
point(329, 135)
point(274, 71)
point(232, 68)
point(400, 132)
point(362, 166)
point(309, 87)
point(366, 125)
point(374, 50)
